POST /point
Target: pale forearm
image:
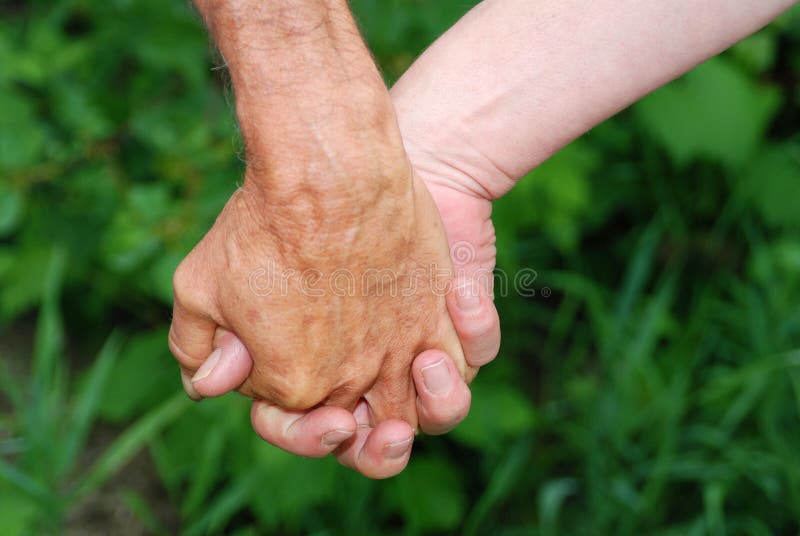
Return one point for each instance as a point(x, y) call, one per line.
point(516, 80)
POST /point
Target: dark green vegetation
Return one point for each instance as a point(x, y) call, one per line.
point(655, 391)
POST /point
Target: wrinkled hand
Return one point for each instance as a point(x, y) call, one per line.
point(443, 398)
point(279, 272)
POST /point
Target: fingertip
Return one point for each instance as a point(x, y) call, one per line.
point(443, 398)
point(387, 450)
point(379, 452)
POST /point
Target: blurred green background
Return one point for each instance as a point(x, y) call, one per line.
point(652, 386)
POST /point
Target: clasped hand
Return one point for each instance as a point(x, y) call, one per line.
point(332, 296)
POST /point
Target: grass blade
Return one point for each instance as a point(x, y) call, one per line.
point(86, 405)
point(141, 509)
point(229, 502)
point(49, 329)
point(207, 470)
point(8, 386)
point(127, 445)
point(22, 481)
point(503, 479)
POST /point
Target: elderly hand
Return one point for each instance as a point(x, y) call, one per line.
point(442, 395)
point(333, 297)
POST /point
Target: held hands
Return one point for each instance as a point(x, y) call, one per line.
point(331, 264)
point(333, 307)
point(272, 269)
point(442, 396)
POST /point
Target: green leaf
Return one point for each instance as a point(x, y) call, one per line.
point(288, 503)
point(499, 412)
point(11, 202)
point(714, 112)
point(17, 513)
point(771, 184)
point(429, 495)
point(77, 111)
point(561, 191)
point(22, 136)
point(160, 276)
point(132, 386)
point(757, 52)
point(23, 279)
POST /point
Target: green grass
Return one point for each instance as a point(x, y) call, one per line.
point(655, 390)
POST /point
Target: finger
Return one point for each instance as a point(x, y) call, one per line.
point(393, 396)
point(379, 452)
point(313, 434)
point(475, 319)
point(226, 368)
point(190, 340)
point(443, 398)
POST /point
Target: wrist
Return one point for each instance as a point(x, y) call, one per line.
point(441, 151)
point(346, 157)
point(313, 109)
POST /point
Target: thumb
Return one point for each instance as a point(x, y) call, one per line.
point(226, 368)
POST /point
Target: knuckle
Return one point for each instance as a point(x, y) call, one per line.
point(182, 279)
point(478, 327)
point(347, 394)
point(190, 287)
point(295, 391)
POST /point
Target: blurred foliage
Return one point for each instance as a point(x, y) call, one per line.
point(651, 386)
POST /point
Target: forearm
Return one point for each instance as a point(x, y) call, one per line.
point(516, 80)
point(309, 98)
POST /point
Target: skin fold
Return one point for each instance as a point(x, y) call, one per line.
point(510, 84)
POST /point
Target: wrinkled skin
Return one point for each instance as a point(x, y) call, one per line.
point(264, 272)
point(466, 215)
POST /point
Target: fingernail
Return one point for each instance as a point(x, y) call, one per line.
point(335, 437)
point(468, 297)
point(437, 377)
point(189, 388)
point(398, 449)
point(208, 366)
